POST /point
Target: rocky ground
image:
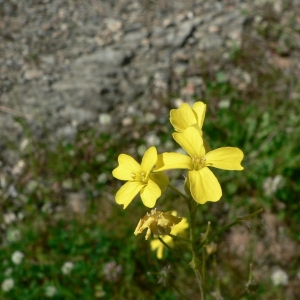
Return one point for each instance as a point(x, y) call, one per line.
point(73, 62)
point(105, 64)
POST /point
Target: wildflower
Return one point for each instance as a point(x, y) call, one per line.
point(185, 116)
point(178, 229)
point(157, 222)
point(112, 271)
point(50, 291)
point(202, 183)
point(105, 119)
point(279, 277)
point(272, 184)
point(139, 179)
point(67, 267)
point(7, 284)
point(17, 257)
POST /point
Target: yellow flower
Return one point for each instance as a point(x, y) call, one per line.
point(185, 116)
point(157, 245)
point(139, 179)
point(203, 184)
point(157, 222)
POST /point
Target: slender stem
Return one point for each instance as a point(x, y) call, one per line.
point(179, 238)
point(195, 264)
point(172, 250)
point(237, 221)
point(203, 266)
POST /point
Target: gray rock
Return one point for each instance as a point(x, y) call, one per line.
point(210, 41)
point(107, 56)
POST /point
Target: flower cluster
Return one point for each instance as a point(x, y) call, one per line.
point(149, 179)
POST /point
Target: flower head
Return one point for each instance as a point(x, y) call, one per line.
point(157, 222)
point(139, 179)
point(17, 257)
point(178, 229)
point(67, 267)
point(185, 116)
point(203, 184)
point(7, 284)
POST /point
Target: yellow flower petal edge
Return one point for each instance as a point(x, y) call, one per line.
point(149, 160)
point(226, 158)
point(191, 141)
point(172, 160)
point(185, 116)
point(139, 179)
point(201, 182)
point(204, 186)
point(182, 117)
point(150, 193)
point(199, 109)
point(127, 166)
point(127, 192)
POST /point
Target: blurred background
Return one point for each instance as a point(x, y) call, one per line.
point(82, 81)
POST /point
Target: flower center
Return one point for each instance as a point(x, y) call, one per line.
point(198, 163)
point(140, 177)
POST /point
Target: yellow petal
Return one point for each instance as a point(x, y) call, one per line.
point(127, 166)
point(150, 193)
point(159, 246)
point(180, 227)
point(226, 158)
point(182, 117)
point(128, 191)
point(149, 160)
point(172, 160)
point(191, 141)
point(199, 109)
point(161, 179)
point(204, 186)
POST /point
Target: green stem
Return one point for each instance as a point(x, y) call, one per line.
point(172, 250)
point(195, 264)
point(179, 238)
point(237, 221)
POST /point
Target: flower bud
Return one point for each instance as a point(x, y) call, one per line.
point(157, 222)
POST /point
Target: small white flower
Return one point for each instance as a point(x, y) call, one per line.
point(9, 218)
point(67, 267)
point(279, 277)
point(67, 184)
point(225, 103)
point(50, 291)
point(104, 119)
point(272, 184)
point(17, 257)
point(149, 118)
point(152, 140)
point(101, 157)
point(7, 284)
point(102, 178)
